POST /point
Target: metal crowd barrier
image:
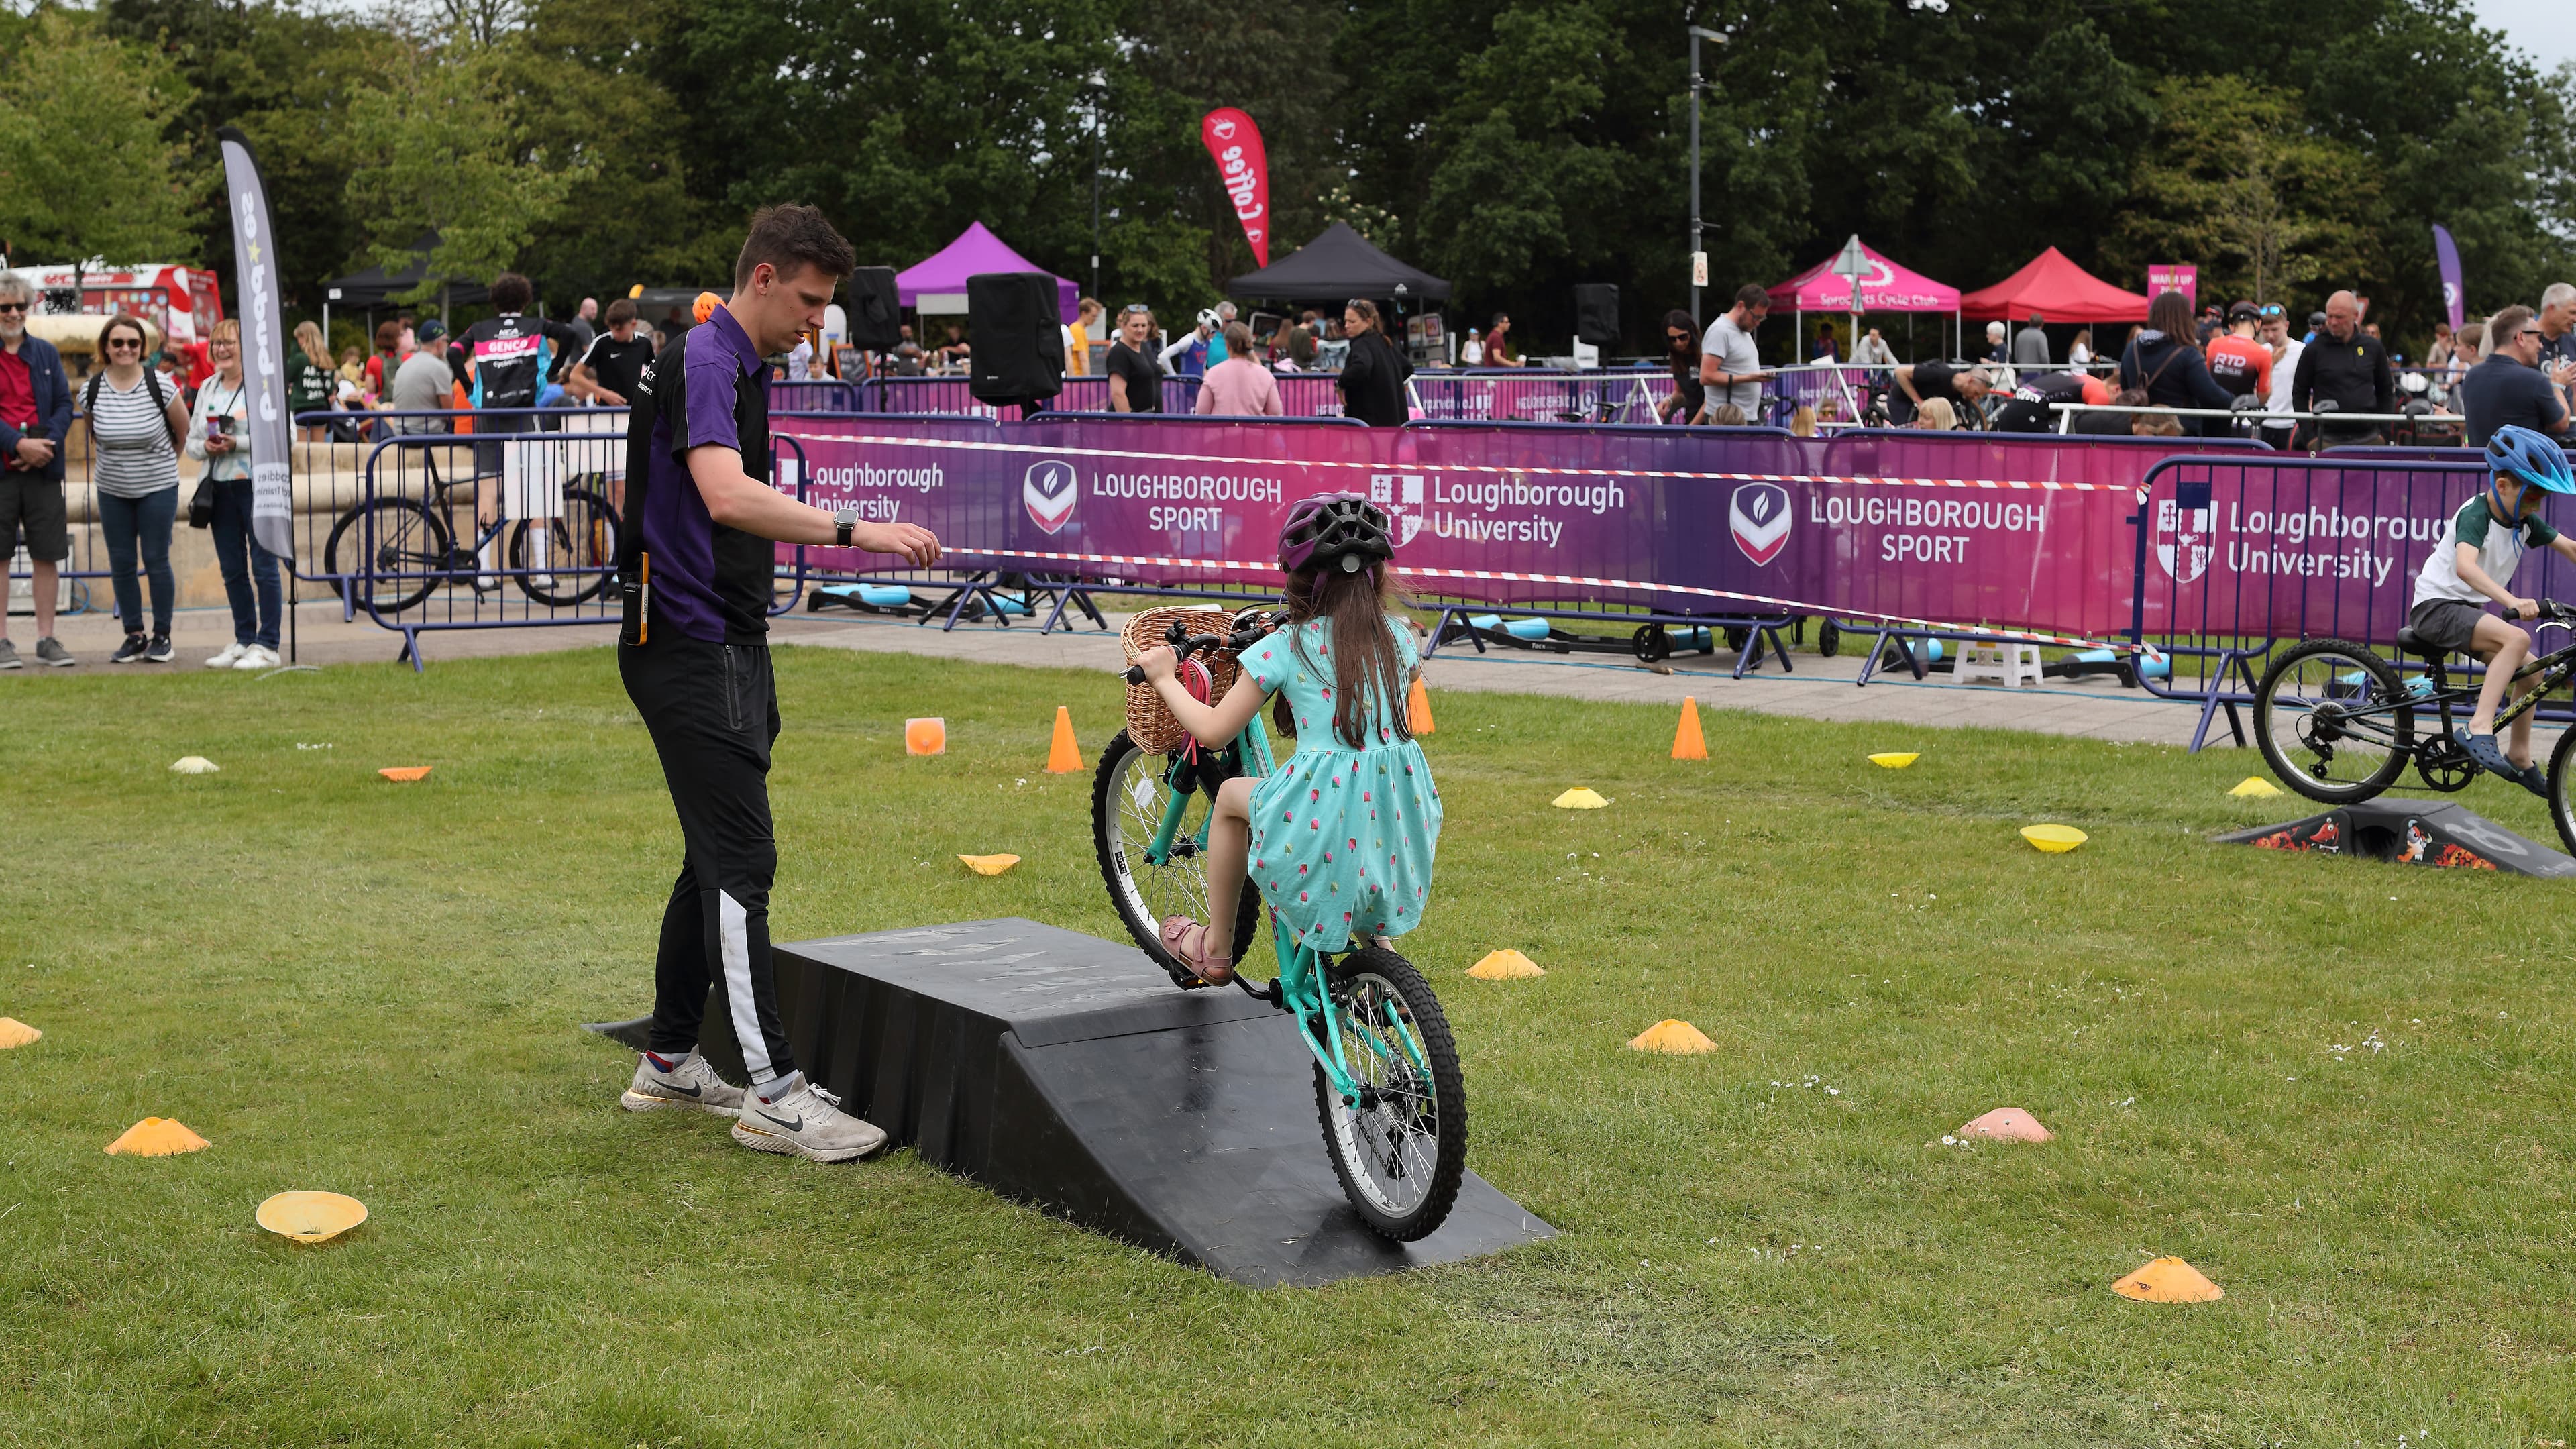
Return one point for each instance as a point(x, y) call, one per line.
point(2235, 555)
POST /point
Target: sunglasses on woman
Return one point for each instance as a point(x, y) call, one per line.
point(125, 344)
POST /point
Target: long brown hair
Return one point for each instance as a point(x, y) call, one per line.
point(1364, 656)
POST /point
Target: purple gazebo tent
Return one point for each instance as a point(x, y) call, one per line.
point(937, 283)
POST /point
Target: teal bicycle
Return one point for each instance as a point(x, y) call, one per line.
point(1388, 1090)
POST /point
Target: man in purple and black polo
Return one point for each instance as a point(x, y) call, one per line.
point(694, 569)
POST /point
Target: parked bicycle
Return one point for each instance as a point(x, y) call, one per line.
point(1388, 1090)
point(2339, 724)
point(393, 552)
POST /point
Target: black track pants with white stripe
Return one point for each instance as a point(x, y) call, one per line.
point(713, 713)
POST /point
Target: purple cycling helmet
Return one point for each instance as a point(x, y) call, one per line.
point(1331, 527)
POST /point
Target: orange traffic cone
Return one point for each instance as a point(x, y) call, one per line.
point(1687, 744)
point(1064, 757)
point(925, 736)
point(1417, 709)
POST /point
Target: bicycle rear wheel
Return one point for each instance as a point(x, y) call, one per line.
point(1402, 1151)
point(1128, 797)
point(581, 549)
point(2334, 721)
point(389, 554)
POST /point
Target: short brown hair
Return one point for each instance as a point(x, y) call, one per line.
point(1752, 296)
point(787, 237)
point(621, 311)
point(2507, 324)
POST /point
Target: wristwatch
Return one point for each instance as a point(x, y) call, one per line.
point(843, 521)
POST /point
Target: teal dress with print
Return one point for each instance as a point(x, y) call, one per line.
point(1342, 839)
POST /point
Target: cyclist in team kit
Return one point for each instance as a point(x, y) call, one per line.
point(2474, 561)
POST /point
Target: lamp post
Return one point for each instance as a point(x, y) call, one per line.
point(1699, 253)
point(1097, 82)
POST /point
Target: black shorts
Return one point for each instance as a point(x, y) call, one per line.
point(2446, 623)
point(35, 504)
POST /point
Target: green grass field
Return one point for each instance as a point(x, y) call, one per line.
point(2338, 1088)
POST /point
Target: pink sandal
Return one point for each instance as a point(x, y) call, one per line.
point(1175, 930)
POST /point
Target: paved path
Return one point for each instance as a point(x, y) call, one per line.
point(1819, 689)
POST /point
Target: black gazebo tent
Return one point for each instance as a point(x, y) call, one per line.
point(1337, 265)
point(371, 289)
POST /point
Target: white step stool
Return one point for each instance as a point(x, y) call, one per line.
point(2008, 664)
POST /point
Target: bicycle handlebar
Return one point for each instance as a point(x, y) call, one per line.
point(2551, 612)
point(1184, 643)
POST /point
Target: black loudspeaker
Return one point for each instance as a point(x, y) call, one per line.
point(876, 318)
point(1596, 314)
point(1018, 341)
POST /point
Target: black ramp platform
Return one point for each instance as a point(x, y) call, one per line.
point(1067, 1072)
point(2404, 831)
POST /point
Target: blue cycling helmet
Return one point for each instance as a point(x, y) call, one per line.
point(2532, 456)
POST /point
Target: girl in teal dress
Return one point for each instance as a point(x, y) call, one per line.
point(1340, 838)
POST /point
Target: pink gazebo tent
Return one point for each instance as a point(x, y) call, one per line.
point(1885, 287)
point(2060, 291)
point(937, 283)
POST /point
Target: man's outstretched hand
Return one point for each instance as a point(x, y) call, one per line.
point(910, 540)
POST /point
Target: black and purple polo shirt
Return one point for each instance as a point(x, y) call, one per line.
point(709, 389)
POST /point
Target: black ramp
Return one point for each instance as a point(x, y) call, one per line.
point(1067, 1072)
point(2405, 831)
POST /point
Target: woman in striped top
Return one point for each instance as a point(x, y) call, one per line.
point(133, 420)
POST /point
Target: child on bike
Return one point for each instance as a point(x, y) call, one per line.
point(2474, 561)
point(1341, 836)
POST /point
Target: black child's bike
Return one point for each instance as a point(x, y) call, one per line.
point(2339, 724)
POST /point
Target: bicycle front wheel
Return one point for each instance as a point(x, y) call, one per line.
point(1129, 797)
point(1402, 1151)
point(2562, 811)
point(388, 554)
point(578, 550)
point(2334, 721)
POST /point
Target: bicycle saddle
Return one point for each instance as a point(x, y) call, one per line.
point(2409, 641)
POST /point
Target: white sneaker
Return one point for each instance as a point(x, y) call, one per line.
point(231, 656)
point(804, 1121)
point(692, 1083)
point(257, 656)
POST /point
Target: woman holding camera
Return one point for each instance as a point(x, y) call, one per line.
point(219, 438)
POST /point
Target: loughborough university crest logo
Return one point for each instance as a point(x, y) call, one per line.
point(1759, 517)
point(1049, 493)
point(2183, 537)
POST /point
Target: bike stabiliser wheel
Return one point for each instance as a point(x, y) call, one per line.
point(580, 551)
point(2334, 721)
point(2562, 811)
point(1129, 794)
point(388, 554)
point(1401, 1152)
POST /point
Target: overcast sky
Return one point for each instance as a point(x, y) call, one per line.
point(2538, 26)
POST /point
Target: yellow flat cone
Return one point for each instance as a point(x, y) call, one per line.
point(2256, 786)
point(2054, 839)
point(405, 774)
point(1417, 709)
point(1505, 965)
point(2168, 1280)
point(16, 1033)
point(1581, 797)
point(194, 765)
point(2007, 1124)
point(1895, 760)
point(1687, 741)
point(989, 864)
point(1677, 1037)
point(1064, 757)
point(925, 736)
point(311, 1217)
point(157, 1137)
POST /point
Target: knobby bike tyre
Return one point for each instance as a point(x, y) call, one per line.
point(2279, 721)
point(409, 542)
point(582, 551)
point(1400, 1158)
point(1122, 822)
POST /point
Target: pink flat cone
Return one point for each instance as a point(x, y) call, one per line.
point(2007, 1124)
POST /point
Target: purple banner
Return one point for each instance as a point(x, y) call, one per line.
point(2447, 254)
point(2024, 532)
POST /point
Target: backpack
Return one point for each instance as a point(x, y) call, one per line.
point(160, 404)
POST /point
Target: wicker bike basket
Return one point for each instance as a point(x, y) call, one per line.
point(1149, 721)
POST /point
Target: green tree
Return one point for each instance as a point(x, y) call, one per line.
point(87, 165)
point(2241, 182)
point(441, 149)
